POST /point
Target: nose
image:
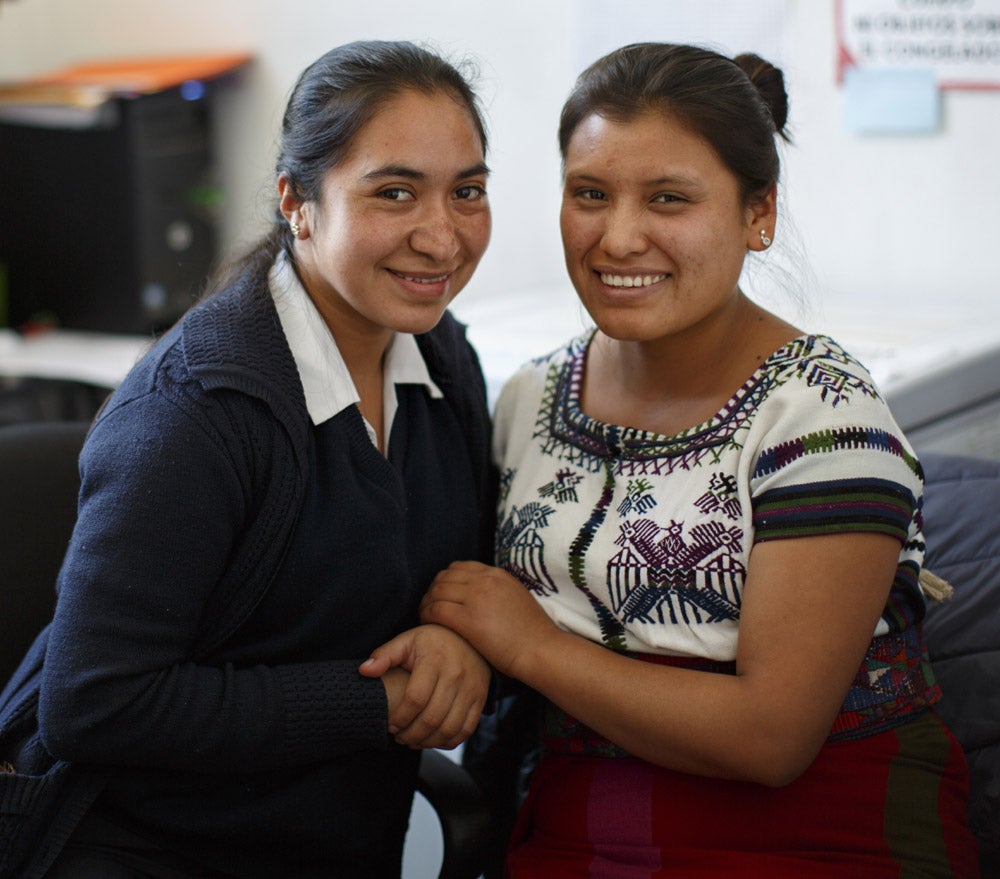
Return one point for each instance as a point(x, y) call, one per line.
point(436, 234)
point(623, 234)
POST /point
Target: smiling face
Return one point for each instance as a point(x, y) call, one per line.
point(653, 225)
point(401, 222)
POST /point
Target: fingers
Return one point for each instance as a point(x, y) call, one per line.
point(446, 721)
point(438, 702)
point(451, 590)
point(444, 695)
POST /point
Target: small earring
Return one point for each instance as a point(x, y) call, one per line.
point(764, 239)
point(296, 228)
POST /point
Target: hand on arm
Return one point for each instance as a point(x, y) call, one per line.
point(436, 686)
point(809, 610)
point(492, 611)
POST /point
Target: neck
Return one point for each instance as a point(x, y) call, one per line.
point(683, 363)
point(674, 383)
point(361, 342)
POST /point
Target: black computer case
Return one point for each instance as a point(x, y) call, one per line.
point(108, 225)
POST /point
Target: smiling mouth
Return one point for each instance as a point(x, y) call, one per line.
point(436, 279)
point(631, 280)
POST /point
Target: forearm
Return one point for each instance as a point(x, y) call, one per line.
point(703, 723)
point(214, 719)
point(801, 644)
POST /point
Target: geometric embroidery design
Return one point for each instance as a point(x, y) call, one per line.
point(520, 549)
point(563, 487)
point(721, 496)
point(659, 575)
point(638, 497)
point(568, 434)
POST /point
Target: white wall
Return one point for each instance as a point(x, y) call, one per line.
point(906, 220)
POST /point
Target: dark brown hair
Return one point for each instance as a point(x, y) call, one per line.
point(737, 105)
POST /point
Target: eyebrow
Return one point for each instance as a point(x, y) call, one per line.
point(413, 174)
point(668, 180)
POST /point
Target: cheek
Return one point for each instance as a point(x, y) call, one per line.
point(476, 233)
point(710, 246)
point(578, 233)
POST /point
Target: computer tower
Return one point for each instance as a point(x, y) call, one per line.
point(108, 225)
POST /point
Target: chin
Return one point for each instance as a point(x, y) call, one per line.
point(423, 321)
point(623, 326)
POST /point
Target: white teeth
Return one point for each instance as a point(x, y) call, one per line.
point(630, 280)
point(435, 280)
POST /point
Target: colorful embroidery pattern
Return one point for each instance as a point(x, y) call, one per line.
point(563, 487)
point(894, 683)
point(638, 497)
point(611, 628)
point(647, 537)
point(659, 576)
point(569, 435)
point(772, 460)
point(834, 507)
point(521, 550)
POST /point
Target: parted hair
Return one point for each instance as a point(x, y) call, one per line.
point(737, 105)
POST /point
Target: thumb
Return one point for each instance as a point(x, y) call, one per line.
point(396, 652)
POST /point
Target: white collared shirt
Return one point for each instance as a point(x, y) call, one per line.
point(326, 381)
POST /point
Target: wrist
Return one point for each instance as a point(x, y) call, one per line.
point(543, 656)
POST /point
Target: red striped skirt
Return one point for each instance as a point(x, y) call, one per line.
point(888, 805)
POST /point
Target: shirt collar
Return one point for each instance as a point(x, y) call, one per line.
point(326, 381)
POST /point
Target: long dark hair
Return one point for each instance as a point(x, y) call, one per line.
point(331, 102)
point(737, 105)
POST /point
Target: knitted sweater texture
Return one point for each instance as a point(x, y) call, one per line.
point(193, 483)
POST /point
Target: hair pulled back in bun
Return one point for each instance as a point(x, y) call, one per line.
point(736, 105)
point(770, 82)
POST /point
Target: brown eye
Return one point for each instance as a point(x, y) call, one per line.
point(470, 193)
point(396, 194)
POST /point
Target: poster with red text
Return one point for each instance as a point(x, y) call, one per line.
point(958, 39)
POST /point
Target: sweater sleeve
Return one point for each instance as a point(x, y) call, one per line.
point(165, 502)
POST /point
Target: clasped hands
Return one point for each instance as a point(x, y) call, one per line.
point(437, 675)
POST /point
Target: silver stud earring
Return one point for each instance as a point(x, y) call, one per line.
point(764, 239)
point(296, 228)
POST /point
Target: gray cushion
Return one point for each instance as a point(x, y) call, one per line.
point(962, 529)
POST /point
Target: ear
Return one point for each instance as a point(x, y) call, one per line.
point(291, 206)
point(762, 216)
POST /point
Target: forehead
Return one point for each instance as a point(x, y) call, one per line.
point(651, 144)
point(420, 124)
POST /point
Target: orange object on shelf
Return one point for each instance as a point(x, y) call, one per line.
point(92, 83)
point(147, 74)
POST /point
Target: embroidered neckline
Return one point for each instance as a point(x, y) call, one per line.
point(562, 418)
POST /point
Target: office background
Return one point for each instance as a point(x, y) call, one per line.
point(908, 221)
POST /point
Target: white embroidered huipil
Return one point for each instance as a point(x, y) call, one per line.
point(641, 542)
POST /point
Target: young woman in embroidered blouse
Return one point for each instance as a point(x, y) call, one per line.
point(718, 524)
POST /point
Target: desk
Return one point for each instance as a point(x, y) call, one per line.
point(100, 359)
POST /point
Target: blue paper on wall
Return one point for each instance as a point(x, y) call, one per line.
point(891, 100)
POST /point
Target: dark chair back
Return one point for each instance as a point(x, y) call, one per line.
point(39, 484)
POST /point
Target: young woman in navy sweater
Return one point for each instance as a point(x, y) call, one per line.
point(266, 499)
